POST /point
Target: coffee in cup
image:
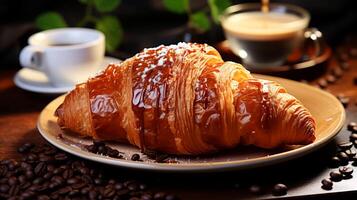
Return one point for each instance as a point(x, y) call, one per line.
point(67, 55)
point(264, 38)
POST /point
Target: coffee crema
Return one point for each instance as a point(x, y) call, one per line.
point(264, 26)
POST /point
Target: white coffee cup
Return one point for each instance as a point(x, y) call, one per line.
point(67, 55)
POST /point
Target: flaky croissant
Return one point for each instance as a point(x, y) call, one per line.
point(184, 99)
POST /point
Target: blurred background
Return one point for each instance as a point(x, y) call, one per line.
point(130, 25)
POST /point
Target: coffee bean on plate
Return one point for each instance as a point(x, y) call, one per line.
point(326, 184)
point(135, 157)
point(345, 145)
point(280, 189)
point(335, 176)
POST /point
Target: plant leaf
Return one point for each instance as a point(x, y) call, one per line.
point(217, 7)
point(176, 6)
point(200, 21)
point(106, 5)
point(50, 20)
point(83, 1)
point(112, 30)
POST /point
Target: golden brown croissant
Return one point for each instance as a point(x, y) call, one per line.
point(184, 99)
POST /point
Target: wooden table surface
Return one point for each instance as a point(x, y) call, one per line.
point(19, 111)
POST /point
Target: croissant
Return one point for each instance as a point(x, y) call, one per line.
point(184, 99)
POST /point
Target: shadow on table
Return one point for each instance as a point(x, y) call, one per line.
point(15, 100)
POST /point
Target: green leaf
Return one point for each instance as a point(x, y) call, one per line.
point(50, 20)
point(84, 1)
point(200, 21)
point(106, 5)
point(217, 7)
point(112, 30)
point(176, 6)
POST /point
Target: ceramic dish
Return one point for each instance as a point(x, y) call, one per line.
point(327, 110)
point(37, 81)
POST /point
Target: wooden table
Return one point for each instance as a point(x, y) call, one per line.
point(20, 109)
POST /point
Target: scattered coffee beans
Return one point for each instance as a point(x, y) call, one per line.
point(45, 172)
point(280, 189)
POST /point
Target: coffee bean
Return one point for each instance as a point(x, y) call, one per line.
point(38, 180)
point(326, 184)
point(133, 186)
point(64, 190)
point(48, 175)
point(108, 191)
point(85, 190)
point(14, 190)
point(279, 189)
point(337, 72)
point(351, 125)
point(335, 176)
point(350, 153)
point(255, 189)
point(170, 197)
point(92, 194)
point(159, 195)
point(68, 173)
point(346, 170)
point(98, 143)
point(135, 157)
point(345, 101)
point(92, 148)
point(40, 168)
point(102, 150)
point(322, 83)
point(353, 137)
point(61, 156)
point(345, 65)
point(43, 197)
point(27, 194)
point(73, 192)
point(12, 180)
point(72, 181)
point(146, 197)
point(345, 145)
point(142, 187)
point(4, 188)
point(113, 153)
point(343, 158)
point(331, 78)
point(98, 181)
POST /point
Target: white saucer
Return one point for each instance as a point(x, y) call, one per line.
point(36, 81)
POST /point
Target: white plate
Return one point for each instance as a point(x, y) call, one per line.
point(327, 110)
point(36, 81)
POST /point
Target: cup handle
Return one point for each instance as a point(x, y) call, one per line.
point(315, 36)
point(31, 57)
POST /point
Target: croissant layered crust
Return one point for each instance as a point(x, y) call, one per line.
point(184, 99)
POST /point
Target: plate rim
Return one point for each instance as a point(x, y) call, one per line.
point(211, 166)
